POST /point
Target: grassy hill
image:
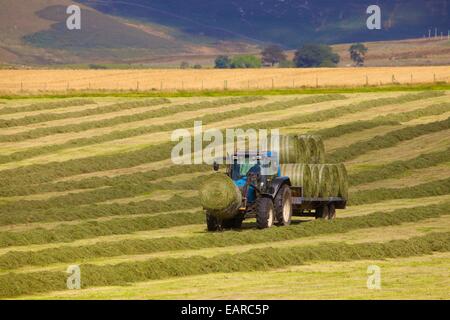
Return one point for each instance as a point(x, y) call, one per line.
point(36, 34)
point(89, 181)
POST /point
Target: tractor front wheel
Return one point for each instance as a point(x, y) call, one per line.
point(264, 213)
point(283, 206)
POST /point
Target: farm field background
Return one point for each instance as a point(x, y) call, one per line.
point(35, 81)
point(89, 182)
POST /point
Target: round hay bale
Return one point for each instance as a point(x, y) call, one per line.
point(220, 196)
point(335, 179)
point(312, 149)
point(303, 150)
point(343, 179)
point(320, 149)
point(300, 176)
point(324, 181)
point(289, 149)
point(314, 180)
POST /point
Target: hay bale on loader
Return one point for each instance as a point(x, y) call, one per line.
point(314, 180)
point(220, 197)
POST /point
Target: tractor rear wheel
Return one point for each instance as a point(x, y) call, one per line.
point(212, 223)
point(264, 213)
point(322, 212)
point(283, 206)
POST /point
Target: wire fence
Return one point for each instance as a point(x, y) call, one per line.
point(142, 82)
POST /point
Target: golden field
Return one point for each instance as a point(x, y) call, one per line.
point(14, 81)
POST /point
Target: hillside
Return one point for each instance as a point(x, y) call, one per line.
point(90, 182)
point(35, 33)
point(287, 22)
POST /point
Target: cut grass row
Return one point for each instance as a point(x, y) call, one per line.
point(95, 211)
point(83, 126)
point(99, 182)
point(399, 168)
point(93, 229)
point(47, 106)
point(44, 117)
point(387, 120)
point(123, 134)
point(254, 260)
point(122, 190)
point(387, 140)
point(434, 188)
point(63, 254)
point(45, 172)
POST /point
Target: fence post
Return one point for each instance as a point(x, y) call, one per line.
point(273, 84)
point(367, 80)
point(317, 81)
point(21, 86)
point(434, 77)
point(225, 84)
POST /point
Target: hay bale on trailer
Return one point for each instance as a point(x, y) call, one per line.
point(300, 176)
point(220, 197)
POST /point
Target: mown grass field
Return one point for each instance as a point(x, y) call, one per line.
point(89, 181)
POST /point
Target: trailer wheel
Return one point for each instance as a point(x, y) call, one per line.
point(322, 212)
point(212, 223)
point(283, 206)
point(331, 211)
point(264, 213)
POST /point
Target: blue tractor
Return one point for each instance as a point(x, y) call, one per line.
point(266, 195)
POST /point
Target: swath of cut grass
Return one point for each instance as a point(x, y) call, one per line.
point(99, 182)
point(92, 229)
point(400, 167)
point(97, 195)
point(66, 254)
point(390, 139)
point(93, 211)
point(254, 260)
point(83, 126)
point(46, 172)
point(434, 188)
point(44, 117)
point(47, 106)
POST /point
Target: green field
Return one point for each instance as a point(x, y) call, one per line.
point(88, 181)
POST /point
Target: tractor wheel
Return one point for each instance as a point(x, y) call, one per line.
point(264, 213)
point(322, 212)
point(212, 223)
point(283, 206)
point(331, 211)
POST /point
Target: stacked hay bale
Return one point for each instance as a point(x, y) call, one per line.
point(302, 159)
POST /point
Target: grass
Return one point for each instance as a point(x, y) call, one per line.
point(385, 141)
point(254, 260)
point(387, 120)
point(78, 127)
point(92, 229)
point(434, 188)
point(44, 117)
point(424, 277)
point(66, 254)
point(224, 93)
point(398, 168)
point(38, 106)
